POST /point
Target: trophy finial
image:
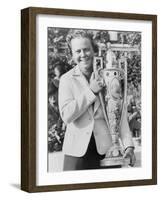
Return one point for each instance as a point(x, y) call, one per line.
point(111, 61)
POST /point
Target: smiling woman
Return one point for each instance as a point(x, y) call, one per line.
point(85, 144)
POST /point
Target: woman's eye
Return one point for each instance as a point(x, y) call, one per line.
point(86, 50)
point(78, 51)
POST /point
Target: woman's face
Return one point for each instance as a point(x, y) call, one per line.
point(82, 53)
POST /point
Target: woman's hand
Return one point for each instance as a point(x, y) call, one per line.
point(96, 84)
point(129, 153)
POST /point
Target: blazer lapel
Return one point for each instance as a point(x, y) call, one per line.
point(79, 76)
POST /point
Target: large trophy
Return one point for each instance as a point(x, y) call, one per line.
point(113, 100)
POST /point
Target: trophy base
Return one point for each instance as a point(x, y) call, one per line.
point(115, 161)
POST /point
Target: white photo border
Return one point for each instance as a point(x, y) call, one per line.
point(43, 177)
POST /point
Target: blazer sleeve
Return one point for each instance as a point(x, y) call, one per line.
point(71, 106)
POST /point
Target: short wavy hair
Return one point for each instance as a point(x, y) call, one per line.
point(78, 33)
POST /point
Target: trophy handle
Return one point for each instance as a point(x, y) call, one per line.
point(104, 110)
point(98, 68)
point(125, 91)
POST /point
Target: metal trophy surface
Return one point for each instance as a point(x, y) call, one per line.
point(113, 100)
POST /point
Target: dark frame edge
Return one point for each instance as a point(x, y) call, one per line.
point(28, 101)
point(86, 186)
point(154, 99)
point(90, 13)
point(24, 99)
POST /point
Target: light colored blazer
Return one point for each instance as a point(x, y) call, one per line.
point(81, 111)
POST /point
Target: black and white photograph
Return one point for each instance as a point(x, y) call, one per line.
point(94, 99)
